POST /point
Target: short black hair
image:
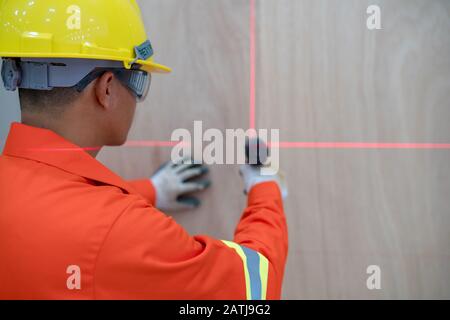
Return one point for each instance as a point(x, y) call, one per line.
point(53, 102)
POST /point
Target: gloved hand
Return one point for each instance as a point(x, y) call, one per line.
point(174, 181)
point(252, 176)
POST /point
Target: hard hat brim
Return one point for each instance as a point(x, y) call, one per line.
point(153, 67)
point(147, 65)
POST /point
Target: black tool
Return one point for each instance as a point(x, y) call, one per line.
point(256, 151)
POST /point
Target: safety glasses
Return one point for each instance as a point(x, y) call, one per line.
point(137, 81)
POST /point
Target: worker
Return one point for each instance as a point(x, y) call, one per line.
point(72, 229)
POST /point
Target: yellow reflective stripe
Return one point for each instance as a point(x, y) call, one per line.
point(264, 271)
point(256, 282)
point(241, 254)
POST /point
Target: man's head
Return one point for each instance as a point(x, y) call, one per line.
point(85, 36)
point(105, 105)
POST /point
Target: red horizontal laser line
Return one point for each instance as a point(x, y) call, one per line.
point(142, 144)
point(151, 143)
point(63, 149)
point(280, 145)
point(357, 145)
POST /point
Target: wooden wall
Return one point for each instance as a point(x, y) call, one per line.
point(321, 76)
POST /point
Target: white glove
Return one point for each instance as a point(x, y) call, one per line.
point(252, 176)
point(173, 181)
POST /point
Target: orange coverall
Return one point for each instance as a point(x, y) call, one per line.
point(62, 208)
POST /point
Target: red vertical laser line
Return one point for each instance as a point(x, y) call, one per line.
point(252, 65)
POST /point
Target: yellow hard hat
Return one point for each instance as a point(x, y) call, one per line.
point(79, 29)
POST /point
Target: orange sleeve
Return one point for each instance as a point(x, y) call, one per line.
point(263, 228)
point(145, 188)
point(147, 255)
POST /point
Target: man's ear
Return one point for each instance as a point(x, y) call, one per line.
point(103, 89)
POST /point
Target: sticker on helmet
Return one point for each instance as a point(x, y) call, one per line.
point(144, 51)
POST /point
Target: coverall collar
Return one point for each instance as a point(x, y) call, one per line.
point(42, 145)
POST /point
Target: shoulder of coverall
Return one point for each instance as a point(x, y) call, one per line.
point(47, 147)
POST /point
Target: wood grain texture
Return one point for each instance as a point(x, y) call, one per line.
point(321, 76)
